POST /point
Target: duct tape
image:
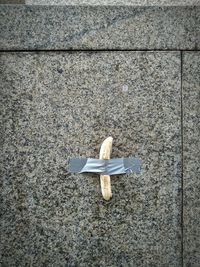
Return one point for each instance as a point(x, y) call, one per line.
point(108, 167)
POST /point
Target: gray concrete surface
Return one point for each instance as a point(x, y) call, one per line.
point(191, 157)
point(59, 105)
point(99, 27)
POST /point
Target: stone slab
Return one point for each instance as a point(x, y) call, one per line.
point(60, 105)
point(12, 2)
point(98, 27)
point(197, 11)
point(191, 157)
point(106, 2)
point(116, 2)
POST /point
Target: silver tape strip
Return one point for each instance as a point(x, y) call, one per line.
point(110, 167)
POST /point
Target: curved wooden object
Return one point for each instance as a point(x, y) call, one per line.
point(105, 151)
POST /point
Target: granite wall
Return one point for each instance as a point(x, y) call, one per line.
point(69, 77)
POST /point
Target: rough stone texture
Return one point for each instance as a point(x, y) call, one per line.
point(12, 1)
point(98, 27)
point(59, 105)
point(116, 2)
point(106, 2)
point(197, 11)
point(191, 153)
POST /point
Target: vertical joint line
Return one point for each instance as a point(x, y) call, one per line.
point(182, 182)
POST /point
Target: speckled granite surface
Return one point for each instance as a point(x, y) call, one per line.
point(116, 2)
point(106, 2)
point(99, 27)
point(58, 105)
point(12, 2)
point(191, 130)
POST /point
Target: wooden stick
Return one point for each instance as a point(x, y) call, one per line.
point(105, 151)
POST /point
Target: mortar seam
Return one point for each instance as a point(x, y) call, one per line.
point(182, 182)
point(98, 50)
